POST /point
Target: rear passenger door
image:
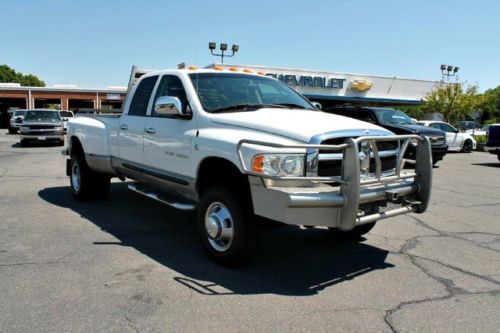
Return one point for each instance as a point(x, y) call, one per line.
point(131, 132)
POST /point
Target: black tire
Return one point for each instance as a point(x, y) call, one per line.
point(23, 143)
point(498, 156)
point(12, 130)
point(85, 183)
point(467, 146)
point(215, 204)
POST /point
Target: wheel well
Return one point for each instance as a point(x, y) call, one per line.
point(215, 171)
point(76, 147)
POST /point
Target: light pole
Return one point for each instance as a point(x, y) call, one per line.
point(223, 48)
point(448, 71)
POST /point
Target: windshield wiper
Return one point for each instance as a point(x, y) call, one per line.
point(293, 106)
point(247, 106)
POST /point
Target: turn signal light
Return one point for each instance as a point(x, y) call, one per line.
point(258, 164)
point(246, 70)
point(233, 69)
point(218, 68)
point(192, 67)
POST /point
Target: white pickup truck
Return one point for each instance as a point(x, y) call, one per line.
point(239, 146)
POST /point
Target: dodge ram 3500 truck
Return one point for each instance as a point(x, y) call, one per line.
point(237, 146)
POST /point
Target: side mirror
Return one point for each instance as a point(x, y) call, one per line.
point(317, 105)
point(168, 106)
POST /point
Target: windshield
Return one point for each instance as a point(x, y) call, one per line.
point(225, 92)
point(392, 116)
point(19, 113)
point(42, 116)
point(66, 114)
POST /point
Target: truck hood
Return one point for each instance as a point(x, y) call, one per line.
point(301, 125)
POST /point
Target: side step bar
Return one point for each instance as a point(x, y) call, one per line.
point(161, 197)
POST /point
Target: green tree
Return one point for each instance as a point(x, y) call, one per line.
point(8, 74)
point(490, 106)
point(453, 101)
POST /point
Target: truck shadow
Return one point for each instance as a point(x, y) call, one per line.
point(290, 261)
point(491, 164)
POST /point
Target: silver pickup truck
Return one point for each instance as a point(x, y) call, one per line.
point(238, 145)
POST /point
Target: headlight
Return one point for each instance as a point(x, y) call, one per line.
point(24, 128)
point(414, 142)
point(279, 164)
point(58, 128)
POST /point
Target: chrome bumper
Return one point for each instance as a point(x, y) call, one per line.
point(318, 202)
point(40, 136)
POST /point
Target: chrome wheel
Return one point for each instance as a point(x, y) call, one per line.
point(219, 226)
point(75, 177)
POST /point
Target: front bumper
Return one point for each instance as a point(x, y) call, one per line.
point(42, 136)
point(438, 152)
point(492, 150)
point(350, 199)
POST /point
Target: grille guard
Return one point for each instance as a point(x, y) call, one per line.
point(350, 180)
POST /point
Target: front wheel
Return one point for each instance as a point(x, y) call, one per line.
point(85, 183)
point(229, 234)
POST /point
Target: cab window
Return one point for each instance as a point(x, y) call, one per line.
point(142, 95)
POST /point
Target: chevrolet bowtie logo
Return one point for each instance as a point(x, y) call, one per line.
point(361, 85)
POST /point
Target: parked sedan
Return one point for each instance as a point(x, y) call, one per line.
point(42, 125)
point(16, 120)
point(456, 141)
point(478, 131)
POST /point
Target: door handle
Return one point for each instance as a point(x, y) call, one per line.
point(124, 127)
point(150, 130)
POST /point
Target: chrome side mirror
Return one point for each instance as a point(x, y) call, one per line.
point(168, 106)
point(317, 105)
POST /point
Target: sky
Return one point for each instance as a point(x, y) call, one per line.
point(95, 43)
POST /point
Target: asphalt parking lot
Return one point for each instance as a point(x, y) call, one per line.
point(131, 264)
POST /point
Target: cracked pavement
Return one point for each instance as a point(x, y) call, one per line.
point(129, 264)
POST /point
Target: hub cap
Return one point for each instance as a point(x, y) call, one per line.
point(219, 226)
point(75, 177)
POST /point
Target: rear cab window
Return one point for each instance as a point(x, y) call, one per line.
point(142, 96)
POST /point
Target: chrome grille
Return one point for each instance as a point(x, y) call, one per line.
point(330, 162)
point(437, 140)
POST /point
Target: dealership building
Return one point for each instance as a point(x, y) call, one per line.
point(63, 97)
point(333, 88)
point(327, 88)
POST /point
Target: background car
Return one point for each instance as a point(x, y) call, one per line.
point(493, 142)
point(456, 141)
point(65, 115)
point(478, 131)
point(464, 125)
point(16, 120)
point(398, 122)
point(42, 125)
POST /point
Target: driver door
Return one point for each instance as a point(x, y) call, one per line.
point(167, 138)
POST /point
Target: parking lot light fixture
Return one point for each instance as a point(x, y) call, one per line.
point(223, 48)
point(448, 71)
